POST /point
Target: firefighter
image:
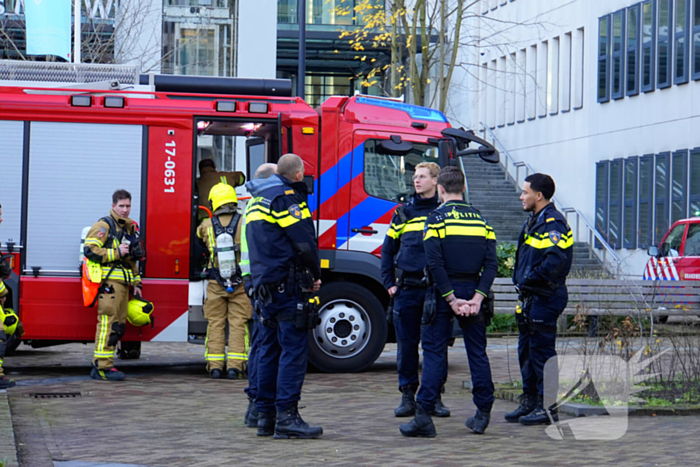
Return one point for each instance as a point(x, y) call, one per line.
point(461, 253)
point(261, 182)
point(113, 242)
point(542, 262)
point(226, 299)
point(4, 382)
point(283, 260)
point(403, 264)
point(209, 176)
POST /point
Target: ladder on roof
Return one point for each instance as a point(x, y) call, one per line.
point(64, 72)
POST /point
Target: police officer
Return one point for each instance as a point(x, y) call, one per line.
point(542, 262)
point(403, 264)
point(261, 182)
point(461, 253)
point(4, 382)
point(283, 258)
point(112, 242)
point(226, 298)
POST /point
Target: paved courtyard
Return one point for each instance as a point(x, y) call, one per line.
point(169, 413)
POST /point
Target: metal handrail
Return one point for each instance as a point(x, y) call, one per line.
point(593, 234)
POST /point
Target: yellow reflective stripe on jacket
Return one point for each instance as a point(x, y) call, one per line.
point(417, 224)
point(237, 356)
point(283, 219)
point(566, 241)
point(119, 274)
point(3, 289)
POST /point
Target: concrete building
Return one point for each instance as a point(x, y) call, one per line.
point(604, 97)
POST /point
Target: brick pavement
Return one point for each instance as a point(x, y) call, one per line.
point(178, 417)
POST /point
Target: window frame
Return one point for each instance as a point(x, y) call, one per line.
point(694, 154)
point(630, 204)
point(695, 29)
point(685, 50)
point(680, 157)
point(666, 39)
point(602, 204)
point(603, 58)
point(633, 47)
point(617, 55)
point(662, 201)
point(651, 46)
point(645, 239)
point(615, 164)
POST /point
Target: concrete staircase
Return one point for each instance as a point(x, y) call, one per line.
point(495, 196)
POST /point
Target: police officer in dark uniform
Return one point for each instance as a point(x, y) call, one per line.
point(403, 264)
point(542, 263)
point(461, 252)
point(283, 261)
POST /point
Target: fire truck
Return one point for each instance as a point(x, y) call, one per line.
point(67, 149)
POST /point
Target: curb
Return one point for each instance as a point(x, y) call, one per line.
point(584, 410)
point(8, 450)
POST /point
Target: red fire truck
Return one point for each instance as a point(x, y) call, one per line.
point(65, 150)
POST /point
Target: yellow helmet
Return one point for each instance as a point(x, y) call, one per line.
point(220, 194)
point(139, 312)
point(9, 321)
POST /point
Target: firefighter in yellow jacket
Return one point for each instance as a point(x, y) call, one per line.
point(9, 322)
point(226, 298)
point(113, 242)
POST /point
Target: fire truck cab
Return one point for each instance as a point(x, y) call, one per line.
point(66, 150)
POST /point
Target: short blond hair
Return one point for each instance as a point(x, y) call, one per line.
point(432, 167)
point(289, 165)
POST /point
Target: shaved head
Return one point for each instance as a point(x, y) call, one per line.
point(266, 170)
point(289, 166)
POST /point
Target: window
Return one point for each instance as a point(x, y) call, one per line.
point(511, 97)
point(387, 176)
point(565, 85)
point(617, 60)
point(601, 198)
point(672, 244)
point(679, 186)
point(542, 78)
point(648, 35)
point(531, 84)
point(692, 241)
point(646, 189)
point(603, 59)
point(577, 68)
point(629, 224)
point(553, 77)
point(501, 92)
point(520, 86)
point(695, 182)
point(664, 44)
point(661, 190)
point(632, 51)
point(696, 39)
point(321, 87)
point(680, 49)
point(615, 204)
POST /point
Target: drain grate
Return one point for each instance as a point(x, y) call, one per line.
point(54, 395)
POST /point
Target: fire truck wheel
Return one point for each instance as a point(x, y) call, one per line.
point(663, 319)
point(352, 329)
point(129, 350)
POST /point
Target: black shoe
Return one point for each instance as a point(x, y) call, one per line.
point(420, 427)
point(290, 425)
point(216, 373)
point(251, 404)
point(7, 383)
point(539, 417)
point(528, 403)
point(252, 415)
point(235, 373)
point(266, 424)
point(111, 374)
point(479, 422)
point(407, 407)
point(440, 410)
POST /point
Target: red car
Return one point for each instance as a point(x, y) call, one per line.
point(678, 255)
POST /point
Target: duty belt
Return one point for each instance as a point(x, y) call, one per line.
point(465, 278)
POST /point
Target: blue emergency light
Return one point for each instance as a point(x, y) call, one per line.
point(416, 112)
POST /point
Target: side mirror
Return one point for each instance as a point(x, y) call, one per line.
point(309, 181)
point(653, 251)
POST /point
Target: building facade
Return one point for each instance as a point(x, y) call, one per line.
point(601, 95)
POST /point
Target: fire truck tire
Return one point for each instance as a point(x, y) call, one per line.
point(129, 350)
point(663, 319)
point(352, 329)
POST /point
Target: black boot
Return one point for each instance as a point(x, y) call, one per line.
point(479, 422)
point(6, 383)
point(251, 414)
point(266, 424)
point(528, 403)
point(420, 427)
point(440, 410)
point(290, 425)
point(407, 408)
point(539, 415)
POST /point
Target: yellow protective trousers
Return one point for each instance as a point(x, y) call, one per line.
point(219, 308)
point(112, 308)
